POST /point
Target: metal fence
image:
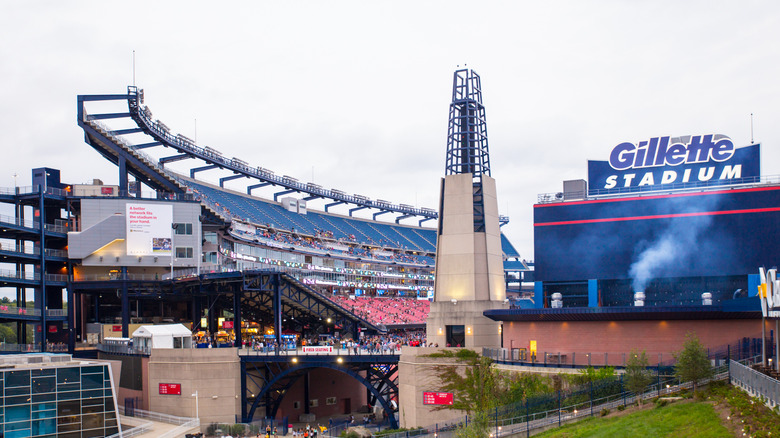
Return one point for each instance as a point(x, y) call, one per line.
point(552, 410)
point(755, 383)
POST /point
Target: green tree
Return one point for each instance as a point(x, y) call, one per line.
point(477, 389)
point(692, 362)
point(637, 376)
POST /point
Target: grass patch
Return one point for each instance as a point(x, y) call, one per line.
point(697, 419)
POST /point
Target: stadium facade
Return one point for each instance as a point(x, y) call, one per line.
point(95, 261)
point(665, 238)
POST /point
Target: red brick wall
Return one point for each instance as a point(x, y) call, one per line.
point(618, 337)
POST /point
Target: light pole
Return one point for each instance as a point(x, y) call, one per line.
point(196, 404)
point(174, 226)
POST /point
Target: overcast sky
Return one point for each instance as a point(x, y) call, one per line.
point(354, 95)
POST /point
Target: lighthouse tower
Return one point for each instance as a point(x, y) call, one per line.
point(469, 267)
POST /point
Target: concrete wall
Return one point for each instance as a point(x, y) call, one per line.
point(214, 372)
point(417, 375)
point(618, 337)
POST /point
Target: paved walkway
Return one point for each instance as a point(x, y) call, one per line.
point(157, 428)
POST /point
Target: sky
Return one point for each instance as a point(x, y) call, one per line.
point(355, 95)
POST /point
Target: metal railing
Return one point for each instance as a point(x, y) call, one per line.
point(124, 349)
point(523, 417)
point(755, 383)
point(753, 181)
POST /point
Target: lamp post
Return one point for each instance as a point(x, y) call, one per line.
point(197, 414)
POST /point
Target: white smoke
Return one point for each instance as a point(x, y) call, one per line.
point(675, 247)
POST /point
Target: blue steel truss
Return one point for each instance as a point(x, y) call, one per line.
point(265, 379)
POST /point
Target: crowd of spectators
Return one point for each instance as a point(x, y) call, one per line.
point(351, 249)
point(385, 310)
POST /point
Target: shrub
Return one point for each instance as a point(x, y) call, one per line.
point(604, 412)
point(661, 403)
point(621, 408)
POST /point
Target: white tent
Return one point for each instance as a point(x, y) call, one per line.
point(162, 336)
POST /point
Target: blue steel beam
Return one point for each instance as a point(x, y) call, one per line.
point(283, 192)
point(425, 219)
point(200, 169)
point(108, 116)
point(352, 210)
point(309, 198)
point(380, 213)
point(333, 204)
point(228, 178)
point(98, 97)
point(173, 158)
point(256, 186)
point(128, 131)
point(400, 218)
point(147, 145)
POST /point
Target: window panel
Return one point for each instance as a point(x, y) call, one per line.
point(17, 378)
point(91, 381)
point(68, 408)
point(17, 413)
point(43, 384)
point(42, 427)
point(68, 375)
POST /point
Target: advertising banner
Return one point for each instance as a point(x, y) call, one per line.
point(665, 162)
point(317, 349)
point(149, 229)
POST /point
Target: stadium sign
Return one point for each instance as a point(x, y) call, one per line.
point(769, 292)
point(659, 161)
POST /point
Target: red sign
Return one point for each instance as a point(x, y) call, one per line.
point(106, 190)
point(52, 329)
point(437, 398)
point(170, 388)
point(227, 324)
point(116, 328)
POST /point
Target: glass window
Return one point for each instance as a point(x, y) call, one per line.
point(67, 375)
point(17, 400)
point(43, 427)
point(43, 414)
point(44, 372)
point(22, 390)
point(177, 342)
point(92, 381)
point(43, 406)
point(17, 378)
point(66, 408)
point(44, 397)
point(43, 384)
point(185, 229)
point(183, 252)
point(92, 421)
point(70, 395)
point(17, 413)
point(68, 387)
